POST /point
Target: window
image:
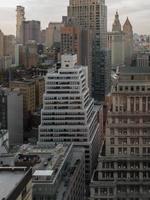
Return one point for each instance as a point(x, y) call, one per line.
point(132, 88)
point(112, 141)
point(132, 78)
point(137, 88)
point(120, 88)
point(126, 88)
point(143, 88)
point(112, 151)
point(96, 190)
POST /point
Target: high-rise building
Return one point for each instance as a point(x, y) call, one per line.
point(1, 43)
point(39, 90)
point(92, 14)
point(75, 40)
point(128, 31)
point(27, 88)
point(71, 41)
point(116, 43)
point(68, 113)
point(32, 90)
point(9, 46)
point(11, 115)
point(31, 30)
point(43, 36)
point(28, 55)
point(18, 49)
point(20, 18)
point(123, 169)
point(53, 33)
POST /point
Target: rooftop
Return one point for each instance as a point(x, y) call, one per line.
point(49, 160)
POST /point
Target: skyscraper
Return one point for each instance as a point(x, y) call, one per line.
point(31, 30)
point(128, 31)
point(69, 114)
point(53, 34)
point(92, 14)
point(20, 18)
point(75, 40)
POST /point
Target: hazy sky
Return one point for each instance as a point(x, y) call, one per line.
point(51, 10)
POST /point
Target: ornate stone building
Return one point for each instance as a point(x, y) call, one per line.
point(123, 172)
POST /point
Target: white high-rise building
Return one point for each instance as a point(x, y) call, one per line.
point(68, 113)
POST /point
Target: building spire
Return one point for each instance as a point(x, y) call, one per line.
point(127, 27)
point(116, 25)
point(127, 22)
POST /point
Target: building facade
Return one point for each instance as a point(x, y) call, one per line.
point(11, 115)
point(64, 176)
point(123, 170)
point(27, 88)
point(75, 40)
point(53, 34)
point(93, 15)
point(9, 45)
point(28, 55)
point(68, 113)
point(143, 59)
point(31, 30)
point(1, 44)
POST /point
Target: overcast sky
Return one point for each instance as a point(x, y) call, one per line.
point(51, 10)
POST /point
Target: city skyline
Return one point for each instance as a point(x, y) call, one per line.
point(138, 15)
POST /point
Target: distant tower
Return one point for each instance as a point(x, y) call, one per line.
point(1, 43)
point(19, 20)
point(116, 25)
point(128, 31)
point(116, 43)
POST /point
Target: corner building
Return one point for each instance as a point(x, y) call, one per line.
point(123, 173)
point(68, 113)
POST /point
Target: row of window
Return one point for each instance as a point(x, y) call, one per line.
point(132, 88)
point(129, 141)
point(133, 150)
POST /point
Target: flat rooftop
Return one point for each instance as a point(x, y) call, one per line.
point(51, 158)
point(9, 179)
